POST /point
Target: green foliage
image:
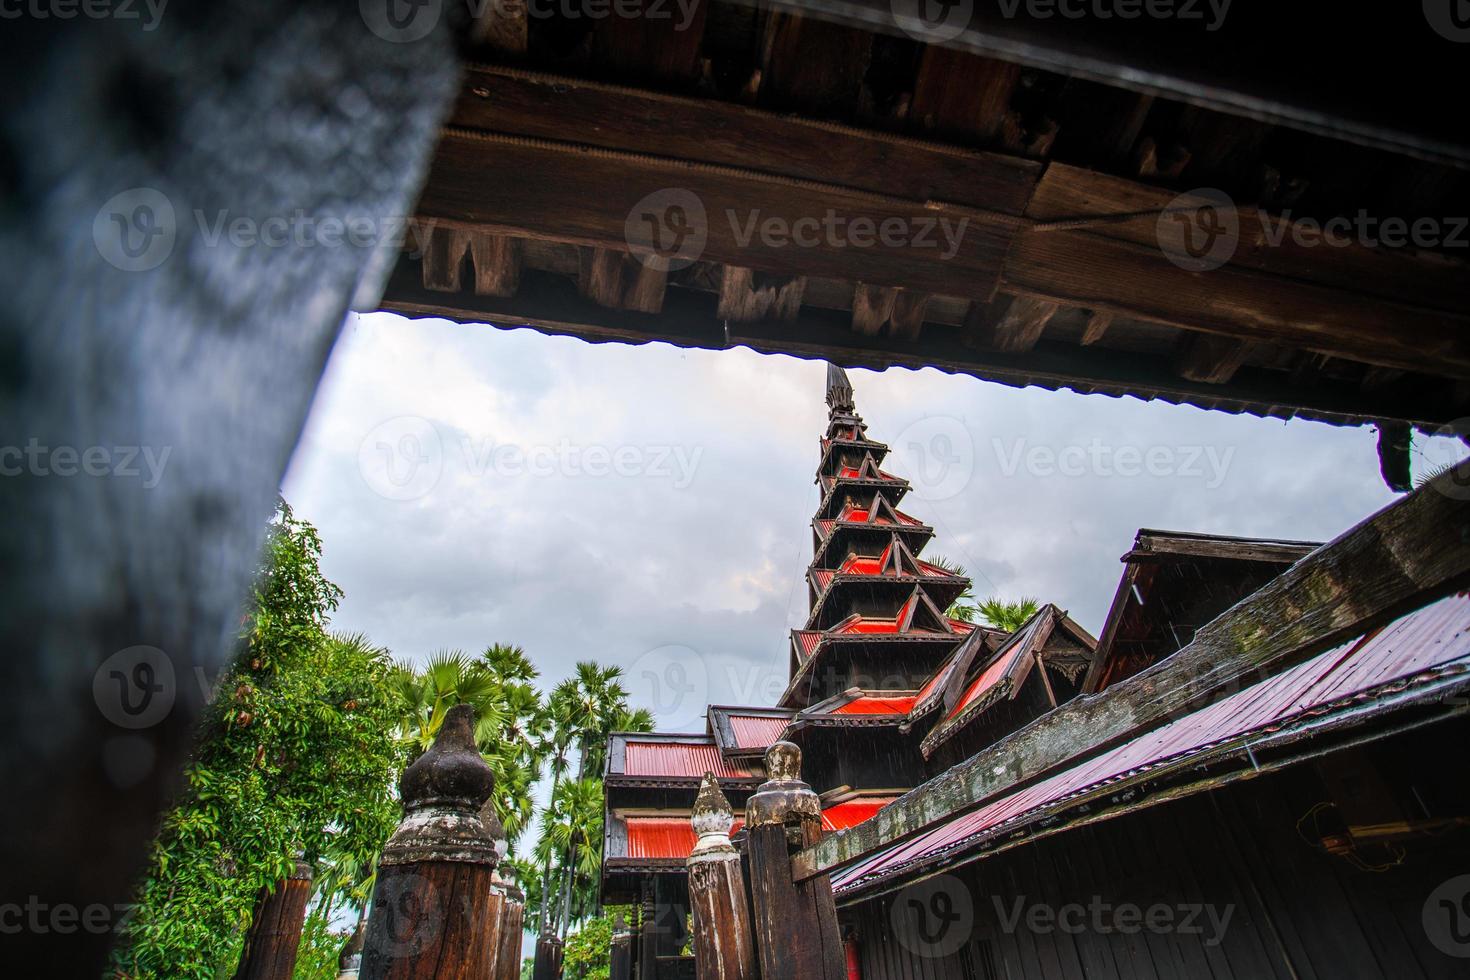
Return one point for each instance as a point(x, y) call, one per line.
point(1008, 616)
point(963, 607)
point(588, 950)
point(291, 756)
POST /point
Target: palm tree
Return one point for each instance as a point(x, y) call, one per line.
point(572, 826)
point(449, 678)
point(962, 608)
point(1009, 616)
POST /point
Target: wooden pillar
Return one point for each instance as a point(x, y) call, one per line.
point(349, 962)
point(505, 962)
point(275, 928)
point(723, 948)
point(648, 934)
point(433, 897)
point(548, 957)
point(795, 923)
point(622, 952)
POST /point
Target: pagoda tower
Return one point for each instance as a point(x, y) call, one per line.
point(884, 688)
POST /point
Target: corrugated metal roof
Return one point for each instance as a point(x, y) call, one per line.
point(1413, 645)
point(807, 640)
point(691, 759)
point(663, 837)
point(869, 705)
point(850, 813)
point(757, 731)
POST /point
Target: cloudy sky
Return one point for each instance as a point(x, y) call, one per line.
point(650, 506)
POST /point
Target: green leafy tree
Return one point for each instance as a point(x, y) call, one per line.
point(1008, 616)
point(290, 758)
point(588, 952)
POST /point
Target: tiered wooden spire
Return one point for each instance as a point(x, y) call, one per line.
point(876, 613)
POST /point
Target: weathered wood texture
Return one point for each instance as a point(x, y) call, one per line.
point(621, 957)
point(795, 922)
point(547, 962)
point(538, 188)
point(275, 929)
point(1411, 552)
point(1260, 901)
point(553, 305)
point(508, 950)
point(436, 912)
point(723, 945)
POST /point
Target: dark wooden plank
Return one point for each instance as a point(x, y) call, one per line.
point(812, 66)
point(1209, 359)
point(871, 307)
point(614, 117)
point(1394, 562)
point(1021, 325)
point(545, 190)
point(553, 305)
point(746, 295)
point(1079, 268)
point(1217, 61)
point(651, 39)
point(962, 97)
point(1266, 242)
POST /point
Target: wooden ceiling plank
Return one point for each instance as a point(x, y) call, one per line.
point(553, 107)
point(1020, 327)
point(1208, 358)
point(1098, 322)
point(871, 307)
point(503, 185)
point(962, 96)
point(745, 295)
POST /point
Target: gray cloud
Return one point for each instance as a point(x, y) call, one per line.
point(648, 562)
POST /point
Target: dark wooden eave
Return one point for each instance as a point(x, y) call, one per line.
point(1043, 137)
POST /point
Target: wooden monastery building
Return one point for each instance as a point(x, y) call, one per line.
point(1294, 823)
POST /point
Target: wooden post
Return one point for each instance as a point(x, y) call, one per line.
point(349, 962)
point(723, 948)
point(506, 960)
point(647, 935)
point(622, 952)
point(433, 898)
point(275, 928)
point(795, 923)
point(548, 956)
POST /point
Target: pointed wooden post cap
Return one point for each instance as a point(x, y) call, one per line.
point(712, 819)
point(443, 792)
point(783, 798)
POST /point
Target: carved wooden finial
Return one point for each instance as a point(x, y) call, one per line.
point(783, 797)
point(442, 793)
point(839, 389)
point(712, 819)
